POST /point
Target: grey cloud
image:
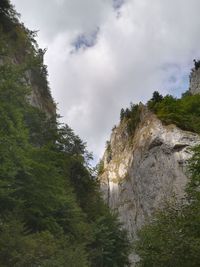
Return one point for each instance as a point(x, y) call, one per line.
point(118, 3)
point(84, 41)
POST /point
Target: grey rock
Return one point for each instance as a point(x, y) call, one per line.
point(195, 82)
point(145, 170)
point(40, 100)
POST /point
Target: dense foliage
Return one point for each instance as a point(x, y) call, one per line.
point(184, 112)
point(131, 116)
point(173, 236)
point(51, 211)
point(196, 64)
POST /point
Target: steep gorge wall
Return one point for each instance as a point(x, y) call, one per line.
point(142, 171)
point(195, 81)
point(40, 97)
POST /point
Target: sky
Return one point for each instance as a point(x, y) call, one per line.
point(104, 54)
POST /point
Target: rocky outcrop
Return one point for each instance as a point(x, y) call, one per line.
point(195, 81)
point(142, 171)
point(40, 97)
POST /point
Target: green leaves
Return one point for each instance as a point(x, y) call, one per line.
point(110, 246)
point(184, 112)
point(132, 117)
point(20, 249)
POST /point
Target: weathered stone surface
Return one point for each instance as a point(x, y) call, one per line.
point(145, 170)
point(195, 82)
point(39, 97)
point(42, 101)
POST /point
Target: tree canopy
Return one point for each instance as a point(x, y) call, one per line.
point(183, 112)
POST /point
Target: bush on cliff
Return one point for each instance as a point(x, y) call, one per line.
point(184, 112)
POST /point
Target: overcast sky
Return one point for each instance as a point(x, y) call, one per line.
point(104, 54)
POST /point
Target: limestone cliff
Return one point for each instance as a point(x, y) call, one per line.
point(40, 97)
point(195, 81)
point(142, 171)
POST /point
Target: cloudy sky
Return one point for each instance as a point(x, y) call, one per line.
point(104, 54)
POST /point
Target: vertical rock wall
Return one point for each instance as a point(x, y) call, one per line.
point(43, 101)
point(195, 81)
point(142, 171)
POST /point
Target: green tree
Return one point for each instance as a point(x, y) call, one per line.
point(183, 112)
point(110, 238)
point(21, 249)
point(5, 6)
point(157, 97)
point(122, 114)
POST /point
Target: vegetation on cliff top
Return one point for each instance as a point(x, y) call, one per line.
point(183, 112)
point(131, 116)
point(51, 212)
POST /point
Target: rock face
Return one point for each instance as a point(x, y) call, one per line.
point(40, 97)
point(142, 171)
point(195, 81)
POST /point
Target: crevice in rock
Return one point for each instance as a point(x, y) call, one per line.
point(179, 147)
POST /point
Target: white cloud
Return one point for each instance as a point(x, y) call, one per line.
point(54, 16)
point(146, 46)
